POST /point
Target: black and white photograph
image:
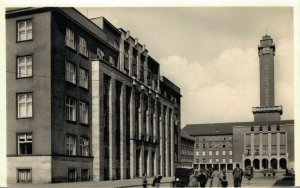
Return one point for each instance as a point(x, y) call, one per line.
point(149, 95)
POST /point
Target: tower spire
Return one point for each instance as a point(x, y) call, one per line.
point(266, 30)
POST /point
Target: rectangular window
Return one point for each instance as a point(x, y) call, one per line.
point(83, 78)
point(265, 139)
point(217, 160)
point(84, 115)
point(70, 38)
point(24, 30)
point(70, 109)
point(274, 139)
point(24, 105)
point(24, 176)
point(197, 146)
point(84, 175)
point(71, 145)
point(210, 145)
point(210, 153)
point(230, 152)
point(203, 146)
point(100, 54)
point(224, 160)
point(84, 146)
point(72, 174)
point(210, 160)
point(256, 139)
point(230, 160)
point(203, 153)
point(70, 72)
point(217, 145)
point(83, 46)
point(217, 153)
point(282, 139)
point(224, 152)
point(197, 153)
point(248, 140)
point(203, 160)
point(24, 66)
point(24, 143)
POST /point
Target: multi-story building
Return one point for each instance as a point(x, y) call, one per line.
point(187, 150)
point(268, 142)
point(85, 101)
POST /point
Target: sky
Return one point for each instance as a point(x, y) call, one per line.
point(211, 54)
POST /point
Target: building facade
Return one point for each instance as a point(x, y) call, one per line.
point(267, 142)
point(187, 150)
point(85, 101)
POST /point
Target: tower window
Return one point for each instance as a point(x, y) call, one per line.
point(24, 30)
point(24, 144)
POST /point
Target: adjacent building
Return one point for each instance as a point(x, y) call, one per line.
point(85, 101)
point(268, 142)
point(186, 150)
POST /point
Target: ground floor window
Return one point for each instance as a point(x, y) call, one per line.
point(72, 175)
point(84, 174)
point(24, 176)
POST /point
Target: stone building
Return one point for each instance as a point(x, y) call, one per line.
point(267, 142)
point(85, 101)
point(187, 150)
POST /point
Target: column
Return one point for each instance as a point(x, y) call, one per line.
point(155, 131)
point(132, 134)
point(162, 141)
point(269, 143)
point(278, 149)
point(172, 143)
point(148, 134)
point(123, 132)
point(141, 124)
point(252, 144)
point(96, 119)
point(112, 130)
point(167, 126)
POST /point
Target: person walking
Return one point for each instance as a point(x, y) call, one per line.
point(145, 182)
point(215, 182)
point(202, 179)
point(223, 179)
point(156, 181)
point(194, 179)
point(237, 176)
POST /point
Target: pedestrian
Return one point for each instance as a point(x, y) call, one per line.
point(274, 173)
point(237, 176)
point(215, 182)
point(202, 179)
point(292, 172)
point(194, 179)
point(145, 180)
point(223, 180)
point(156, 181)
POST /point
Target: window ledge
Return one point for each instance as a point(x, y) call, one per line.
point(71, 121)
point(20, 78)
point(84, 124)
point(20, 41)
point(25, 117)
point(84, 88)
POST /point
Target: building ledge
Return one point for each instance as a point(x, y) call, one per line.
point(269, 109)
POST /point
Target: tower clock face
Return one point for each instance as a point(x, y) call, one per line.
point(266, 50)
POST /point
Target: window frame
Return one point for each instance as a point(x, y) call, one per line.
point(80, 78)
point(67, 71)
point(83, 51)
point(17, 66)
point(74, 111)
point(24, 142)
point(75, 180)
point(68, 39)
point(18, 107)
point(81, 146)
point(74, 151)
point(18, 33)
point(24, 168)
point(80, 113)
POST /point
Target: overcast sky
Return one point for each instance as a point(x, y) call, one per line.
point(211, 54)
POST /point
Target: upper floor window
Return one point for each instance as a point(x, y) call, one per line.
point(71, 145)
point(70, 72)
point(217, 152)
point(84, 78)
point(24, 105)
point(83, 112)
point(24, 176)
point(203, 153)
point(24, 143)
point(210, 153)
point(70, 109)
point(100, 54)
point(197, 153)
point(24, 30)
point(84, 146)
point(230, 152)
point(24, 65)
point(83, 46)
point(70, 38)
point(224, 152)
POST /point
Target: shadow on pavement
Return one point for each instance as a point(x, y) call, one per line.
point(286, 181)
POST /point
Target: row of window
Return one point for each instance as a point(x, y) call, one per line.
point(24, 108)
point(71, 42)
point(210, 153)
point(212, 138)
point(216, 145)
point(211, 160)
point(24, 175)
point(71, 75)
point(24, 143)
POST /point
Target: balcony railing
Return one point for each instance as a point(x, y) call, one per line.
point(144, 138)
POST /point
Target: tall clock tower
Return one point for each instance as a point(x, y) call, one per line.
point(267, 111)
